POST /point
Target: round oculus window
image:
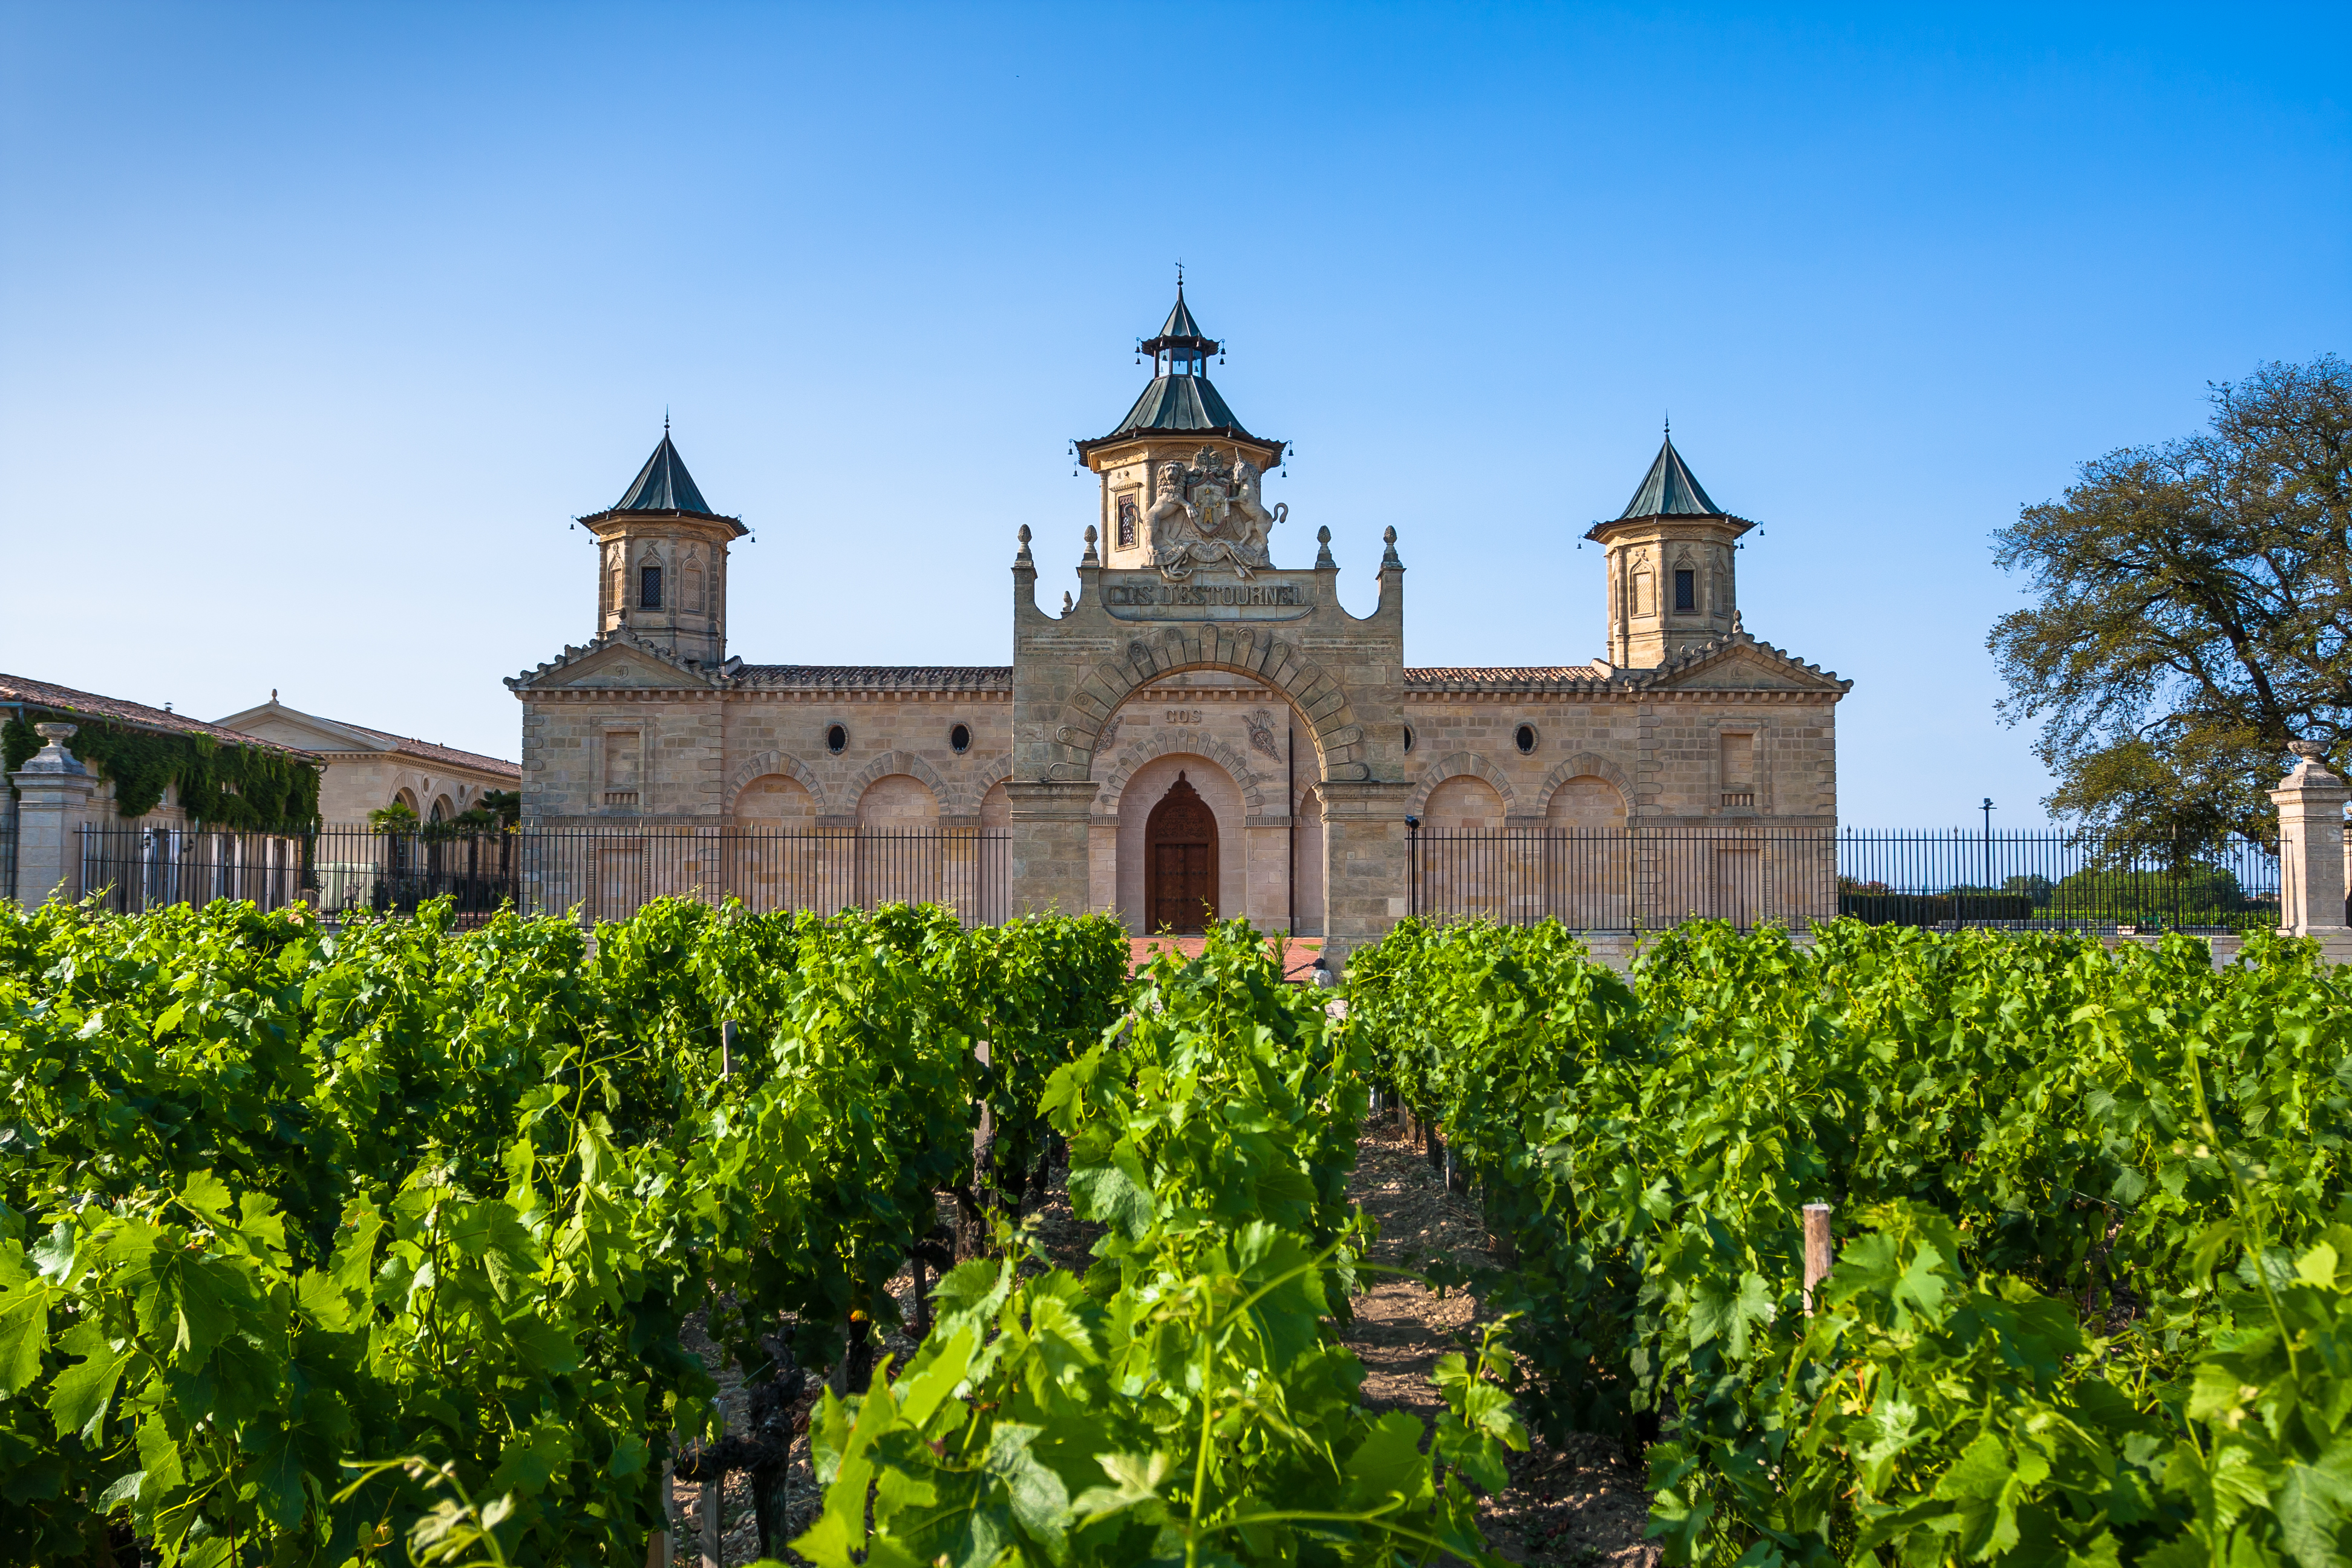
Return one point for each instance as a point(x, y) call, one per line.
point(1408, 737)
point(959, 739)
point(1525, 738)
point(836, 739)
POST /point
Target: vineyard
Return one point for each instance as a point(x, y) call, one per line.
point(2093, 1301)
point(378, 1244)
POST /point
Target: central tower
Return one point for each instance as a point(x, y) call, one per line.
point(1144, 463)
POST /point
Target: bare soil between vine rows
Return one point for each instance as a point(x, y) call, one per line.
point(1575, 1504)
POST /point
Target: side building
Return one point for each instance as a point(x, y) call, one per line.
point(369, 770)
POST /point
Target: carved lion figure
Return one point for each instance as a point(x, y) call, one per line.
point(1248, 501)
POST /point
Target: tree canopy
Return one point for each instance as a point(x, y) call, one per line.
point(2192, 615)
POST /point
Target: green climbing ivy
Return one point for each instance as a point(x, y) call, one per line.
point(224, 786)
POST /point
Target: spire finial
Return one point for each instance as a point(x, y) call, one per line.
point(1670, 423)
point(664, 421)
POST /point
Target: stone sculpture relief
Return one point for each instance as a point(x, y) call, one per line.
point(1261, 734)
point(1208, 514)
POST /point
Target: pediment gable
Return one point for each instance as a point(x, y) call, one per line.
point(616, 661)
point(1740, 663)
point(310, 733)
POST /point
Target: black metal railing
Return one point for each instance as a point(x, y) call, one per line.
point(1633, 879)
point(606, 875)
point(1637, 880)
point(137, 867)
point(2029, 881)
point(341, 870)
point(1651, 879)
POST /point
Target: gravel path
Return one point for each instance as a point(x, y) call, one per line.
point(1578, 1503)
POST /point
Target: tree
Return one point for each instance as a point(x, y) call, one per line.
point(398, 817)
point(2192, 615)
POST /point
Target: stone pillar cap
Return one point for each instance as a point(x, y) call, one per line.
point(53, 758)
point(2310, 768)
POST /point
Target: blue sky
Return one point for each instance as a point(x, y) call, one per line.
point(317, 324)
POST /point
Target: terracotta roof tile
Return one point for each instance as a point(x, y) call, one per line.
point(450, 756)
point(137, 715)
point(1501, 674)
point(880, 676)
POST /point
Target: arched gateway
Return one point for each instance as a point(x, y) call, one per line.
point(1188, 656)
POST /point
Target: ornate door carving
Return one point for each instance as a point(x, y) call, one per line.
point(1180, 861)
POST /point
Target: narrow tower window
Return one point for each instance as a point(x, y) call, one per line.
point(1685, 589)
point(649, 588)
point(1127, 523)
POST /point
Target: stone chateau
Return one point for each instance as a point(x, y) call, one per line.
point(1199, 732)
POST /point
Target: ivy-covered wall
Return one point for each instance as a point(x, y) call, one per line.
point(222, 785)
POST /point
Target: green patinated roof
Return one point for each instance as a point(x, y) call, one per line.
point(1179, 403)
point(664, 485)
point(1670, 490)
point(1180, 323)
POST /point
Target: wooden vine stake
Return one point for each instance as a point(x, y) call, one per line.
point(714, 1503)
point(658, 1548)
point(726, 1048)
point(1819, 1252)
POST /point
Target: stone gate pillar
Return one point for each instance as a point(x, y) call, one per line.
point(54, 790)
point(1364, 849)
point(2310, 802)
point(1049, 845)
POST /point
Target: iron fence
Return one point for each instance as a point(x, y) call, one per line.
point(608, 875)
point(136, 866)
point(1651, 879)
point(2034, 881)
point(342, 870)
point(1635, 879)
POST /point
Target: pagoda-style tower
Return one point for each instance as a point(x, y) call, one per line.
point(661, 565)
point(1671, 554)
point(1177, 415)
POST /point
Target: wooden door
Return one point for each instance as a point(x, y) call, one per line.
point(1180, 861)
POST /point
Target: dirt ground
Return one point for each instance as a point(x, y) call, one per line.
point(1575, 1504)
point(1579, 1504)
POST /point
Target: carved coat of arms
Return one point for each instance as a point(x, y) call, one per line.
point(1210, 512)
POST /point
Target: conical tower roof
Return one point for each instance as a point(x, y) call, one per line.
point(1180, 323)
point(1670, 490)
point(664, 485)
